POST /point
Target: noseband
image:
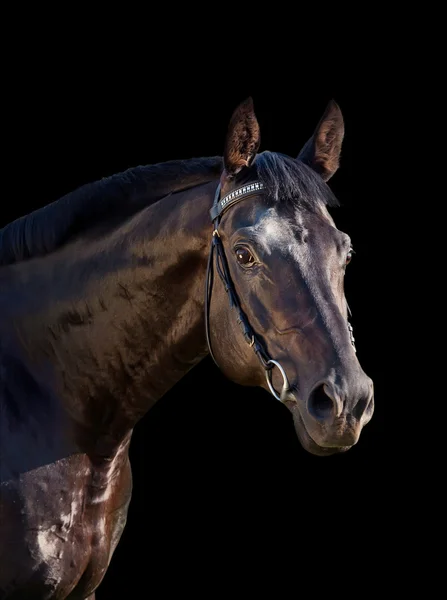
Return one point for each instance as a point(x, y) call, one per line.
point(219, 206)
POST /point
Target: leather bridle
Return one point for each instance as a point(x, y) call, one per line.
point(219, 206)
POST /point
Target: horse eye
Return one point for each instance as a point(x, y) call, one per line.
point(244, 256)
point(349, 256)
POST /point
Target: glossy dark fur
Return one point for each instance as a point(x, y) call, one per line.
point(102, 312)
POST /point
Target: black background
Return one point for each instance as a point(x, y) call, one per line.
point(224, 496)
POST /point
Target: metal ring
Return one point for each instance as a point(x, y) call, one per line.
point(268, 375)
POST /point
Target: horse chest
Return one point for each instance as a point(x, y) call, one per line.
point(59, 532)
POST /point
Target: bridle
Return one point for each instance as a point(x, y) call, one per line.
point(220, 205)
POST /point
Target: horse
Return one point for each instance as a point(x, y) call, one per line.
point(112, 293)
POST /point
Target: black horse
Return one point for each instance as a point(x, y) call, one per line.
point(109, 296)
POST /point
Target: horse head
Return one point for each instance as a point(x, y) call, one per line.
point(282, 262)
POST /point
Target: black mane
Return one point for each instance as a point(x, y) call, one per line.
point(124, 194)
point(118, 196)
point(290, 180)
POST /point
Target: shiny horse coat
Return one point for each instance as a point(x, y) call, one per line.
point(103, 311)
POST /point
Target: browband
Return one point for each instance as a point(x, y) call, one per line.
point(231, 198)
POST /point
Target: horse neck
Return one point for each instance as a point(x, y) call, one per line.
point(137, 324)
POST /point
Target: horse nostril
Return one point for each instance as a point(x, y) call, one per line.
point(321, 406)
point(363, 407)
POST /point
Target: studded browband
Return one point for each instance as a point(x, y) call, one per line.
point(232, 197)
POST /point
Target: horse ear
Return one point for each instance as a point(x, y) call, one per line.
point(243, 138)
point(322, 151)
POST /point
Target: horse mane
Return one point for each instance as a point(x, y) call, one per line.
point(122, 195)
point(118, 196)
point(292, 181)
